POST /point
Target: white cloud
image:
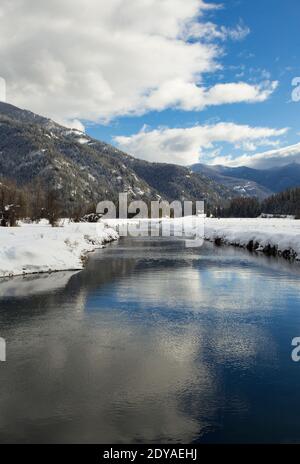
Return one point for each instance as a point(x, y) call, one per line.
point(185, 145)
point(2, 90)
point(209, 31)
point(188, 96)
point(95, 60)
point(264, 160)
point(238, 33)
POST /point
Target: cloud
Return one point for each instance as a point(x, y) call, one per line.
point(210, 31)
point(264, 160)
point(96, 60)
point(185, 145)
point(188, 96)
point(2, 90)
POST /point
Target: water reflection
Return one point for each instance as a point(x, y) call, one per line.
point(24, 286)
point(153, 342)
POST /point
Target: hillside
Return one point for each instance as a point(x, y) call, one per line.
point(84, 170)
point(175, 182)
point(80, 168)
point(254, 182)
point(242, 186)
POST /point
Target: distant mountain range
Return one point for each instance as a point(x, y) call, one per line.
point(85, 170)
point(253, 182)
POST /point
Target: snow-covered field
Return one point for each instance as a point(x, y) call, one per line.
point(278, 236)
point(270, 235)
point(34, 248)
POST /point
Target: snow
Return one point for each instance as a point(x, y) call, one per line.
point(281, 234)
point(82, 140)
point(91, 177)
point(37, 248)
point(139, 191)
point(33, 248)
point(74, 132)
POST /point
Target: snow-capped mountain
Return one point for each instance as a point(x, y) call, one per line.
point(86, 170)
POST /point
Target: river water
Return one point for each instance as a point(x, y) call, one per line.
point(153, 342)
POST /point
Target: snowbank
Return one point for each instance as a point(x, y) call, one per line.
point(39, 248)
point(272, 236)
point(34, 248)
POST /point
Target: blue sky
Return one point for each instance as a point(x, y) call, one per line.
point(271, 50)
point(165, 80)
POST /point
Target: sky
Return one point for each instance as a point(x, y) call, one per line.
point(178, 81)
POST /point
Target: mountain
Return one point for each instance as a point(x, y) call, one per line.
point(176, 182)
point(241, 185)
point(253, 182)
point(83, 170)
point(33, 148)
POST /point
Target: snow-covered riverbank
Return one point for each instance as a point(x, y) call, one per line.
point(33, 248)
point(273, 236)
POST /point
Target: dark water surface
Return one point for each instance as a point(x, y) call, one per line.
point(153, 342)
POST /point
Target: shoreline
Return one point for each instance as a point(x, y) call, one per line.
point(32, 249)
point(271, 237)
point(268, 250)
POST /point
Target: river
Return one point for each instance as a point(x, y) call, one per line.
point(153, 342)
